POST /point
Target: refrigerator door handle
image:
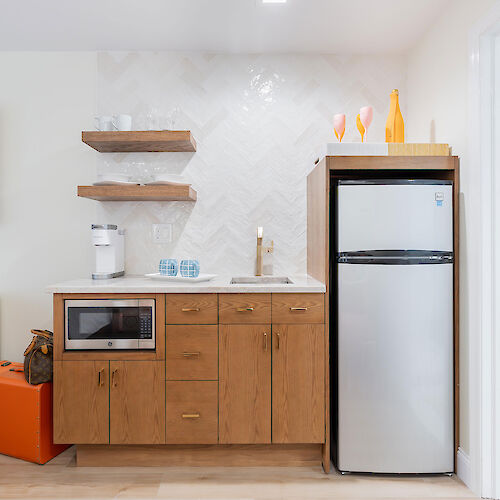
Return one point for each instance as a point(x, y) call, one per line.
point(395, 257)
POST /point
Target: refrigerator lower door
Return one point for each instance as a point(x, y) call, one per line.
point(395, 368)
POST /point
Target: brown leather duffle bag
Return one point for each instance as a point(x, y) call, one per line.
point(38, 358)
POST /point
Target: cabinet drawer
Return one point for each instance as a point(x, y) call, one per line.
point(192, 352)
point(298, 308)
point(192, 416)
point(191, 309)
point(245, 308)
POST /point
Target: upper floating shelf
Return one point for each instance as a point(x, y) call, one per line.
point(141, 141)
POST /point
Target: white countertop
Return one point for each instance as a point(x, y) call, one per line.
point(140, 284)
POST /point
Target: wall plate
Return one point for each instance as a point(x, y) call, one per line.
point(162, 233)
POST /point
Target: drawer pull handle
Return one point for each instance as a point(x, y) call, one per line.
point(191, 354)
point(277, 340)
point(190, 309)
point(114, 383)
point(190, 415)
point(298, 308)
point(265, 341)
point(245, 309)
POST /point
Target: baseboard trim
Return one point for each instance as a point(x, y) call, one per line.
point(464, 467)
point(198, 455)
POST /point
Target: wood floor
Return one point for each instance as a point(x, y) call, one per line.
point(61, 479)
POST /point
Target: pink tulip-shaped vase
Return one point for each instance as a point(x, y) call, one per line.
point(366, 117)
point(339, 126)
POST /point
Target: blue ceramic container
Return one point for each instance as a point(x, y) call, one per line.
point(189, 268)
point(168, 267)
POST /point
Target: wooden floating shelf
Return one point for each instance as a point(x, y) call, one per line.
point(141, 141)
point(181, 192)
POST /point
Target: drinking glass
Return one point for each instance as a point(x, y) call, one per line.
point(366, 117)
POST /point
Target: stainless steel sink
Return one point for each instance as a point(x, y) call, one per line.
point(261, 280)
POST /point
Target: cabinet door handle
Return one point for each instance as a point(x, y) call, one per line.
point(245, 309)
point(277, 340)
point(191, 354)
point(114, 383)
point(190, 415)
point(265, 341)
point(190, 309)
point(298, 308)
point(100, 377)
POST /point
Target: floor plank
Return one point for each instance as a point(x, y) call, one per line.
point(61, 479)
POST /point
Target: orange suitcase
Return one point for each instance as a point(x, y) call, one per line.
point(26, 417)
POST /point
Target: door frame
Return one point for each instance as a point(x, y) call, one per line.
point(481, 470)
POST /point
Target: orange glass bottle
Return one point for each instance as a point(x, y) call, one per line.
point(395, 127)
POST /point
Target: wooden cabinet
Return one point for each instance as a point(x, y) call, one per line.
point(298, 308)
point(117, 402)
point(233, 368)
point(191, 309)
point(245, 308)
point(81, 402)
point(245, 384)
point(298, 413)
point(137, 402)
point(192, 352)
point(192, 412)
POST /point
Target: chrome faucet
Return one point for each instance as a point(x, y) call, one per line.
point(260, 235)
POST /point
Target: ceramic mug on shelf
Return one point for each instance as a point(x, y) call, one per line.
point(103, 123)
point(122, 122)
point(189, 268)
point(168, 267)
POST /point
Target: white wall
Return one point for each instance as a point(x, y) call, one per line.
point(437, 112)
point(260, 122)
point(46, 99)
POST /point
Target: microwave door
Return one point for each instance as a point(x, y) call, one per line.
point(104, 324)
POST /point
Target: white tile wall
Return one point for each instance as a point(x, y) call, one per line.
point(259, 121)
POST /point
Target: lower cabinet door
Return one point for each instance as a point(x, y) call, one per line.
point(137, 402)
point(299, 383)
point(245, 384)
point(192, 412)
point(81, 402)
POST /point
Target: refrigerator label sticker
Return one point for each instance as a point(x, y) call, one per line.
point(439, 197)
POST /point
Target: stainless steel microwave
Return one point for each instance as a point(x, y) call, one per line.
point(109, 324)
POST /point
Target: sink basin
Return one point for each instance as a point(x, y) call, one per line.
point(261, 280)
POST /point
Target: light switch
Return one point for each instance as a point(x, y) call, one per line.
point(162, 233)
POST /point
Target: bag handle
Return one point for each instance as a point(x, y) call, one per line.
point(43, 333)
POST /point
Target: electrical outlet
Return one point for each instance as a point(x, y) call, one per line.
point(162, 233)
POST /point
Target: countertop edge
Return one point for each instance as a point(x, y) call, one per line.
point(136, 284)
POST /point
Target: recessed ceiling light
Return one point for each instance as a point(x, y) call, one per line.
point(273, 1)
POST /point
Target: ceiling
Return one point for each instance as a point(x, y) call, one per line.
point(321, 26)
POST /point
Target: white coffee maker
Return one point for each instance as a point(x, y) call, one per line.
point(109, 242)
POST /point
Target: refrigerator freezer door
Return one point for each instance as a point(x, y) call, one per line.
point(395, 368)
point(395, 217)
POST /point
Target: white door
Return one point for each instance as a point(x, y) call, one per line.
point(395, 368)
point(395, 216)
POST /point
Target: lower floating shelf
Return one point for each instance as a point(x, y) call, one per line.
point(180, 192)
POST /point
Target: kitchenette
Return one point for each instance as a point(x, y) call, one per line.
point(241, 366)
point(184, 367)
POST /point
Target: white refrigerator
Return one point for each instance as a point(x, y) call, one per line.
point(395, 326)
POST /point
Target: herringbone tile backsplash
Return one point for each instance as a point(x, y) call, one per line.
point(259, 121)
